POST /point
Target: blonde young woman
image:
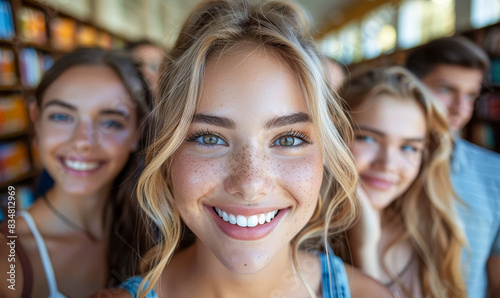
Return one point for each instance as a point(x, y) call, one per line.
point(247, 133)
point(408, 236)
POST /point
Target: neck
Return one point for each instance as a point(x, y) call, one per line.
point(197, 262)
point(85, 211)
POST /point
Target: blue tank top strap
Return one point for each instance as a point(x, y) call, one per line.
point(334, 276)
point(132, 286)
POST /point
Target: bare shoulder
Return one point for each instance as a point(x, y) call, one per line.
point(112, 293)
point(361, 285)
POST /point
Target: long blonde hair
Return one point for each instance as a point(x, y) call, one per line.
point(212, 28)
point(427, 207)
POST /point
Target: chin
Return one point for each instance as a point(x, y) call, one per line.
point(244, 261)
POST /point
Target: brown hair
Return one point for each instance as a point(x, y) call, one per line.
point(456, 50)
point(126, 244)
point(427, 206)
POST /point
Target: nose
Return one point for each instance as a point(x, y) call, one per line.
point(387, 159)
point(248, 176)
point(85, 138)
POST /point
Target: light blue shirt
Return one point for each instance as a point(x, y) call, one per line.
point(475, 175)
point(334, 279)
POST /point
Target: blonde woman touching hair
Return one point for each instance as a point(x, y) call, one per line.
point(247, 134)
point(407, 237)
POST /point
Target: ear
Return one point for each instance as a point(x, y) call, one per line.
point(34, 112)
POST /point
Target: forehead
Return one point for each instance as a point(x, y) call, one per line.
point(87, 86)
point(397, 117)
point(459, 76)
point(251, 79)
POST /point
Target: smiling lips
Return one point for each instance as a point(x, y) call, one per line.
point(80, 168)
point(378, 183)
point(244, 221)
point(253, 226)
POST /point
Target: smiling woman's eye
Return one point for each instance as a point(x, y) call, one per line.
point(206, 138)
point(291, 139)
point(364, 138)
point(409, 149)
point(60, 117)
point(111, 124)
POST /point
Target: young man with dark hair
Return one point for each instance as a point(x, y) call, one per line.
point(454, 68)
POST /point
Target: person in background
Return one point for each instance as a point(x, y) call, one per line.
point(408, 236)
point(453, 69)
point(337, 72)
point(151, 57)
point(248, 152)
point(84, 233)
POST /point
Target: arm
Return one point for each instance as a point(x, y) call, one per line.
point(493, 267)
point(364, 239)
point(361, 285)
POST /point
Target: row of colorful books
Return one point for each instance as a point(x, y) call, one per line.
point(14, 161)
point(33, 64)
point(488, 107)
point(13, 115)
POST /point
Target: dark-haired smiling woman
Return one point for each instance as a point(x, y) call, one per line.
point(79, 236)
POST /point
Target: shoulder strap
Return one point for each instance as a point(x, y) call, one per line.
point(25, 264)
point(335, 282)
point(44, 254)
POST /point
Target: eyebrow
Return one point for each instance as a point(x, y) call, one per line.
point(273, 123)
point(115, 112)
point(287, 120)
point(214, 120)
point(57, 102)
point(379, 133)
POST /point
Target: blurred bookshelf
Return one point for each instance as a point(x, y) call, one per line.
point(32, 36)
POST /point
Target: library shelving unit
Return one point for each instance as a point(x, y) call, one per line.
point(32, 36)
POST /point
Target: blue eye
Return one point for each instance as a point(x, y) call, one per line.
point(59, 117)
point(206, 138)
point(366, 139)
point(112, 124)
point(288, 141)
point(409, 149)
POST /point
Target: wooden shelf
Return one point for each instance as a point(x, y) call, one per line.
point(29, 175)
point(12, 135)
point(16, 87)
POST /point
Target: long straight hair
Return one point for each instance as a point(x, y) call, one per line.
point(127, 224)
point(212, 28)
point(427, 206)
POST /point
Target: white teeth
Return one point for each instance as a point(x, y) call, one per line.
point(262, 219)
point(243, 221)
point(232, 219)
point(81, 165)
point(252, 221)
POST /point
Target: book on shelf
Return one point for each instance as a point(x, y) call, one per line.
point(86, 36)
point(7, 67)
point(483, 135)
point(32, 26)
point(33, 64)
point(14, 161)
point(13, 115)
point(63, 32)
point(7, 31)
point(488, 107)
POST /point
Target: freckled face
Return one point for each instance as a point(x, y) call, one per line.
point(86, 129)
point(247, 179)
point(390, 137)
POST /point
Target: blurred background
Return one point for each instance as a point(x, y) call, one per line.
point(356, 32)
